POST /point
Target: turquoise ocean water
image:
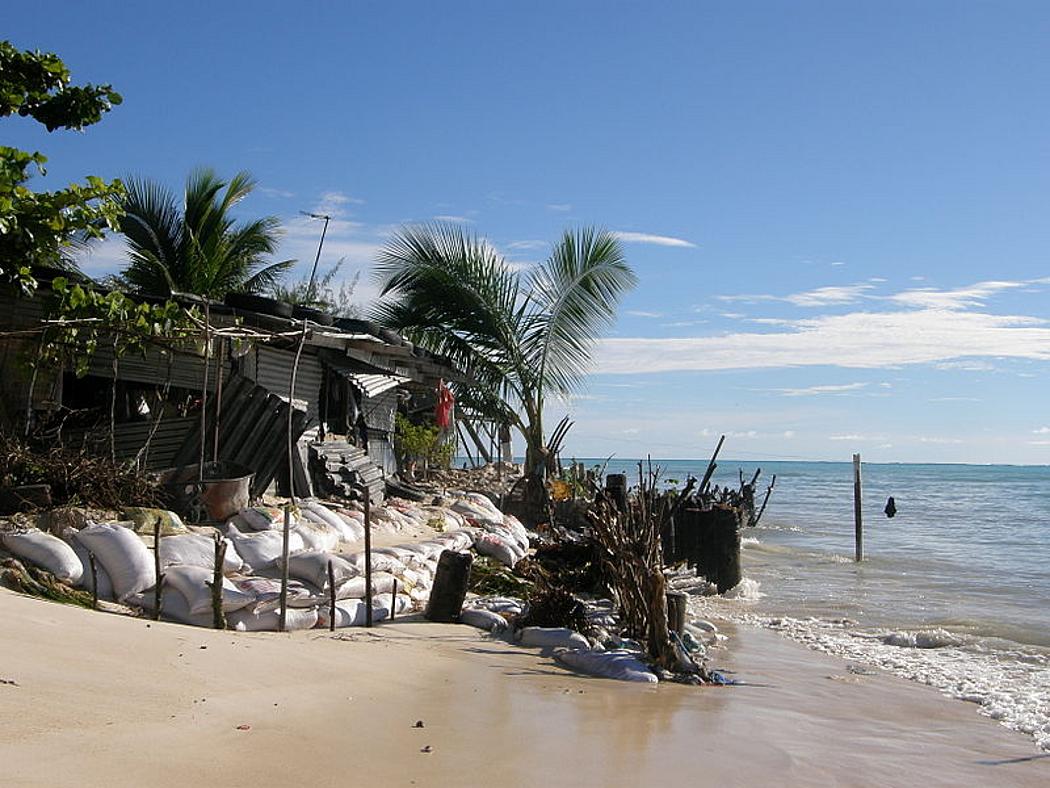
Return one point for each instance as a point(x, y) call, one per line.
point(954, 591)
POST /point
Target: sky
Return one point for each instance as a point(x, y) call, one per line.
point(837, 211)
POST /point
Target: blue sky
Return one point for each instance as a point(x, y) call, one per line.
point(837, 211)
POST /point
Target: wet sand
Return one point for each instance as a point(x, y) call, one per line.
point(107, 700)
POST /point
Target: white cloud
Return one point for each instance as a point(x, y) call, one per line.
point(559, 207)
point(657, 240)
point(855, 438)
point(732, 315)
point(284, 194)
point(453, 219)
point(640, 313)
point(837, 263)
point(939, 441)
point(630, 431)
point(528, 245)
point(1039, 443)
point(332, 201)
point(1041, 431)
point(810, 391)
point(821, 296)
point(960, 298)
point(966, 366)
point(860, 340)
point(955, 399)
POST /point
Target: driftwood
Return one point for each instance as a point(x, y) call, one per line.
point(769, 491)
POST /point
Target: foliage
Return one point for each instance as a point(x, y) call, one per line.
point(553, 606)
point(88, 316)
point(321, 295)
point(520, 336)
point(420, 443)
point(40, 228)
point(75, 477)
point(488, 577)
point(198, 247)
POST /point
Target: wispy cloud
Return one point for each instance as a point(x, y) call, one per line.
point(452, 219)
point(955, 399)
point(855, 438)
point(641, 313)
point(854, 340)
point(973, 296)
point(937, 440)
point(559, 207)
point(528, 245)
point(812, 391)
point(656, 240)
point(284, 194)
point(1041, 431)
point(821, 296)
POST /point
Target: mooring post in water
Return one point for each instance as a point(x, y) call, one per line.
point(858, 523)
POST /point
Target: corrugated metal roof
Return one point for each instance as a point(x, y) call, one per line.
point(372, 385)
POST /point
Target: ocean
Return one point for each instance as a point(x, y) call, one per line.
point(954, 591)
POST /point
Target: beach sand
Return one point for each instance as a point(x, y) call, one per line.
point(103, 699)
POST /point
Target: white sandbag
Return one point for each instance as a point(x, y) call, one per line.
point(263, 518)
point(46, 551)
point(495, 547)
point(317, 510)
point(350, 613)
point(482, 619)
point(245, 620)
point(409, 558)
point(262, 549)
point(498, 604)
point(105, 585)
point(620, 665)
point(381, 562)
point(127, 560)
point(552, 637)
point(267, 592)
point(311, 567)
point(459, 540)
point(173, 607)
point(381, 606)
point(191, 582)
point(354, 588)
point(196, 550)
point(317, 535)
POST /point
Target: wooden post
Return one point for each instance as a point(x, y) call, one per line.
point(218, 617)
point(858, 523)
point(711, 466)
point(450, 587)
point(676, 608)
point(393, 600)
point(368, 556)
point(331, 597)
point(94, 581)
point(282, 615)
point(158, 586)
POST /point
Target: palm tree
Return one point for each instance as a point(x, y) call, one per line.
point(520, 336)
point(197, 247)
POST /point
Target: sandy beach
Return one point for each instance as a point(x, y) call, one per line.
point(101, 699)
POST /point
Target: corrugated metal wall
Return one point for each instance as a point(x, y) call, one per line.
point(273, 371)
point(187, 371)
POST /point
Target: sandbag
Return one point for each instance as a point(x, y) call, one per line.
point(354, 588)
point(381, 562)
point(191, 582)
point(105, 585)
point(127, 560)
point(312, 567)
point(351, 613)
point(245, 620)
point(263, 518)
point(482, 619)
point(318, 512)
point(261, 550)
point(317, 535)
point(495, 547)
point(267, 592)
point(552, 637)
point(196, 550)
point(620, 665)
point(145, 520)
point(173, 607)
point(46, 551)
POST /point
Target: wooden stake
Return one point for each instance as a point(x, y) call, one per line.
point(331, 597)
point(393, 600)
point(711, 466)
point(158, 586)
point(368, 556)
point(94, 581)
point(858, 524)
point(218, 617)
point(282, 615)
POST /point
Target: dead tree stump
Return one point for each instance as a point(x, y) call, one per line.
point(676, 609)
point(711, 540)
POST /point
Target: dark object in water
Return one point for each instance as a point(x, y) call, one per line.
point(891, 507)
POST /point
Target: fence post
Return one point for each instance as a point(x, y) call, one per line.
point(858, 523)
